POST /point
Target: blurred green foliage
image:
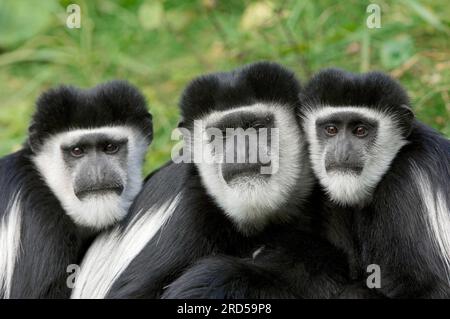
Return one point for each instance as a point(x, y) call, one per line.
point(161, 45)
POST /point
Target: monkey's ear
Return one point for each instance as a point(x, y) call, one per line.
point(181, 123)
point(34, 141)
point(407, 119)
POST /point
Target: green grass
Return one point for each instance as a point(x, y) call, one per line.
point(161, 45)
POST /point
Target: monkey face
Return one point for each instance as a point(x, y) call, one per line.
point(348, 139)
point(249, 159)
point(242, 133)
point(98, 164)
point(243, 145)
point(95, 173)
point(351, 149)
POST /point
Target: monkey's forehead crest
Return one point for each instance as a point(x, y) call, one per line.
point(341, 88)
point(115, 103)
point(261, 82)
point(373, 90)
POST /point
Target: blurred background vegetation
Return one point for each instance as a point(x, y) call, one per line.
point(160, 45)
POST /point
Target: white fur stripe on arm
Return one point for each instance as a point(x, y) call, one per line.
point(10, 226)
point(111, 253)
point(438, 214)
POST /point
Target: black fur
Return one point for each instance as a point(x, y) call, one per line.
point(338, 88)
point(50, 240)
point(257, 82)
point(391, 230)
point(66, 107)
point(295, 263)
point(300, 265)
point(200, 229)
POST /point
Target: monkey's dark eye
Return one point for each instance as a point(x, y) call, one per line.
point(111, 148)
point(77, 151)
point(331, 130)
point(360, 131)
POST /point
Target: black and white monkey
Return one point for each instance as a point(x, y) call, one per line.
point(77, 174)
point(387, 178)
point(216, 208)
point(389, 172)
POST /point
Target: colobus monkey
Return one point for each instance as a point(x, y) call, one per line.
point(391, 172)
point(214, 206)
point(77, 174)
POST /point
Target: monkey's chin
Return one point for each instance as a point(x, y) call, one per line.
point(98, 211)
point(346, 188)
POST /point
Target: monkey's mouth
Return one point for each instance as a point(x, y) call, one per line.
point(98, 191)
point(235, 174)
point(344, 168)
